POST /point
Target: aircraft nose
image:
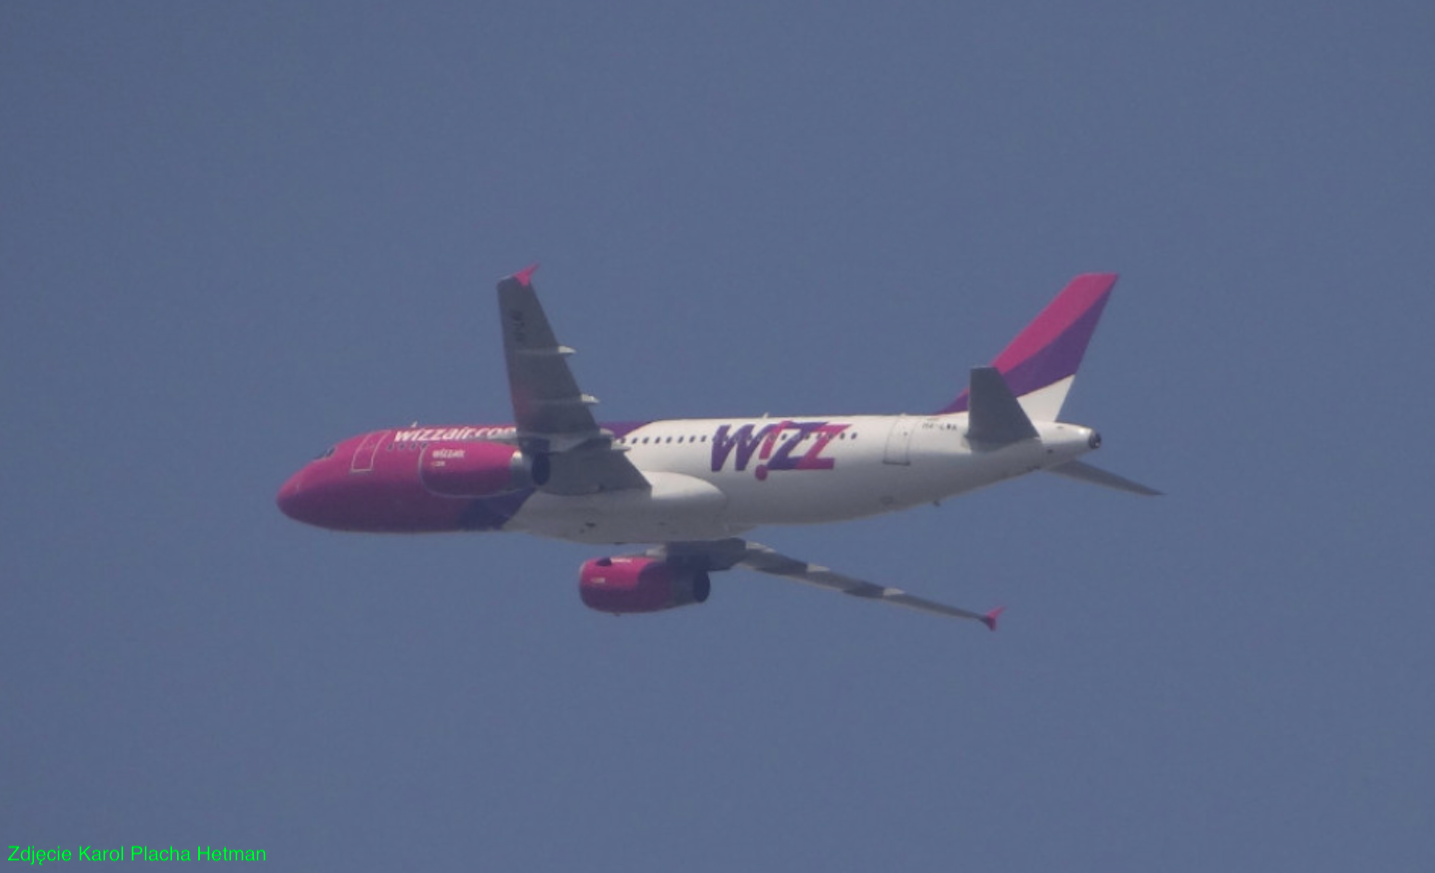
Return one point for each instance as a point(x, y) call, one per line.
point(290, 498)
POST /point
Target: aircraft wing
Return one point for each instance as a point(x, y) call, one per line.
point(727, 554)
point(553, 417)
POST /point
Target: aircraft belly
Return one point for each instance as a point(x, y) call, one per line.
point(802, 497)
point(676, 507)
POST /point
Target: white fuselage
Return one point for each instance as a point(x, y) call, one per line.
point(715, 478)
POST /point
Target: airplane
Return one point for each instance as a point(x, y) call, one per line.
point(689, 488)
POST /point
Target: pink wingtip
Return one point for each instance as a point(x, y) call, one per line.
point(525, 276)
point(990, 619)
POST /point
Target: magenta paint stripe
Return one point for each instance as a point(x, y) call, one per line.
point(1051, 347)
point(1057, 360)
point(525, 275)
point(1083, 295)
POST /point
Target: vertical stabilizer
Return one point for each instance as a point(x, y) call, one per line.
point(1040, 364)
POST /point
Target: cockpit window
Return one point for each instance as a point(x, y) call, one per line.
point(327, 453)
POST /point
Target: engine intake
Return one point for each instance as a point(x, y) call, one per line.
point(636, 583)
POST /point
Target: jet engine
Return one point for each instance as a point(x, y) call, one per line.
point(475, 469)
point(635, 583)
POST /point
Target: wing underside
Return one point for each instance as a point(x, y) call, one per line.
point(554, 418)
point(732, 553)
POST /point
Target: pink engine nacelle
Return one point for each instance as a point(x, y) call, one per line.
point(635, 583)
point(474, 469)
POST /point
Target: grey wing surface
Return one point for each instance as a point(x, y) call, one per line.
point(554, 418)
point(730, 553)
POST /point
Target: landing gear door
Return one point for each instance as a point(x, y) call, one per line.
point(899, 441)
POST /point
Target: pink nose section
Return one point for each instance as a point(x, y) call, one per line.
point(289, 498)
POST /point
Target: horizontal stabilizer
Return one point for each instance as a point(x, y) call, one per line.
point(1096, 476)
point(996, 418)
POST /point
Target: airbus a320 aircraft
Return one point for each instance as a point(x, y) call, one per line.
point(690, 487)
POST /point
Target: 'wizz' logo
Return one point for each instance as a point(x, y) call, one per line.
point(778, 446)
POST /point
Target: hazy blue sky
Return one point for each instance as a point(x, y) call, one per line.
point(231, 234)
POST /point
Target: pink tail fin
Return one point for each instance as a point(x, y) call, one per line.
point(1049, 351)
